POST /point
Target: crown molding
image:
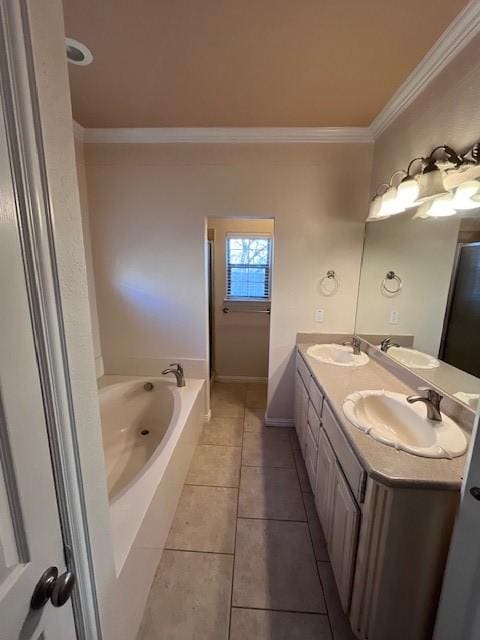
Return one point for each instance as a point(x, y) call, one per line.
point(78, 131)
point(207, 135)
point(457, 35)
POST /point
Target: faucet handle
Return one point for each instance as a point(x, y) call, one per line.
point(433, 395)
point(178, 365)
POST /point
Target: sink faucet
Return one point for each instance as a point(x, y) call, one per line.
point(177, 370)
point(387, 343)
point(432, 402)
point(355, 344)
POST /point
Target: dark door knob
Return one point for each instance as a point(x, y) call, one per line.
point(53, 587)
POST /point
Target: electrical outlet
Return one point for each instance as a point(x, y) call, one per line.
point(393, 317)
point(319, 315)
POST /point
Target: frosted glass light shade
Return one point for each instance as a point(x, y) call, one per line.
point(438, 208)
point(390, 203)
point(430, 186)
point(466, 195)
point(407, 192)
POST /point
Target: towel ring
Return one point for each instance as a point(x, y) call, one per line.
point(331, 276)
point(391, 275)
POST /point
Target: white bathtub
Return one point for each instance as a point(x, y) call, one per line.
point(149, 438)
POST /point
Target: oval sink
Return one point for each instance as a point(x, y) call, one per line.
point(412, 358)
point(389, 418)
point(341, 355)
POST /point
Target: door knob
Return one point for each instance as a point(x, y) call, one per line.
point(53, 587)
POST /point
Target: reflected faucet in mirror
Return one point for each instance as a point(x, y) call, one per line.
point(387, 343)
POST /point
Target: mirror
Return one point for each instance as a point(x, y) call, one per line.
point(420, 284)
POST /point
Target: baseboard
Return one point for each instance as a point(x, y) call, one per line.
point(279, 422)
point(240, 379)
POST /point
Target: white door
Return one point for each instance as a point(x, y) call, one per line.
point(30, 534)
point(459, 611)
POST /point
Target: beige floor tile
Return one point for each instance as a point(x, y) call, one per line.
point(254, 420)
point(190, 598)
point(205, 520)
point(225, 431)
point(256, 397)
point(228, 400)
point(294, 440)
point(267, 449)
point(316, 531)
point(275, 567)
point(229, 390)
point(254, 624)
point(302, 471)
point(270, 493)
point(215, 465)
point(338, 620)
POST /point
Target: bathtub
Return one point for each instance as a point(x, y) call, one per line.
point(149, 437)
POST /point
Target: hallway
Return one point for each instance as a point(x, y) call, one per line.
point(245, 557)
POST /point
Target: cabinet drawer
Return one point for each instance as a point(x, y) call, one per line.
point(303, 370)
point(313, 420)
point(316, 396)
point(351, 467)
point(311, 451)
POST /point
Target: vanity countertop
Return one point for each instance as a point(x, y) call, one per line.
point(382, 463)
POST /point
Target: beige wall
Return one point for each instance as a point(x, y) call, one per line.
point(92, 298)
point(241, 340)
point(148, 209)
point(422, 253)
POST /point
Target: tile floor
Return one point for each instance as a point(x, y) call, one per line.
point(245, 557)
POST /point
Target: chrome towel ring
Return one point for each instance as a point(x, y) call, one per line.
point(393, 288)
point(329, 283)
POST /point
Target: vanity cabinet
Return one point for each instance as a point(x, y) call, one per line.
point(387, 545)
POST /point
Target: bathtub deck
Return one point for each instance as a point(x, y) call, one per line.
point(245, 557)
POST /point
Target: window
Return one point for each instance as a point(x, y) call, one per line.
point(248, 267)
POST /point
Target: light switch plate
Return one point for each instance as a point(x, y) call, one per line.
point(319, 315)
point(393, 317)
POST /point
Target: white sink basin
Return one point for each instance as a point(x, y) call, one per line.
point(389, 418)
point(412, 358)
point(341, 355)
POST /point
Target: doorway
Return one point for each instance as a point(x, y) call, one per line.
point(240, 294)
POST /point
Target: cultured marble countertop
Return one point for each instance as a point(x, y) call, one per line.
point(382, 463)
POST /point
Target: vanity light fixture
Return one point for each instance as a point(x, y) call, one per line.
point(431, 179)
point(441, 207)
point(391, 204)
point(376, 206)
point(409, 187)
point(467, 196)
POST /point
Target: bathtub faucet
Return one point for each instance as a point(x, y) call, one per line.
point(177, 370)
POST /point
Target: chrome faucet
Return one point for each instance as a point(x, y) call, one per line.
point(432, 402)
point(177, 372)
point(387, 343)
point(355, 342)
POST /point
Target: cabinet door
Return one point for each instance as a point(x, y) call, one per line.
point(301, 411)
point(324, 483)
point(310, 455)
point(342, 542)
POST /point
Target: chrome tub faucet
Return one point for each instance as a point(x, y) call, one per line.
point(177, 370)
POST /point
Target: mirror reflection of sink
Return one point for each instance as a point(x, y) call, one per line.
point(389, 418)
point(468, 398)
point(338, 354)
point(412, 358)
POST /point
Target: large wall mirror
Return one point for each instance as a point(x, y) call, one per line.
point(420, 285)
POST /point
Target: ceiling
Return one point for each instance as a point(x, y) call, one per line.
point(246, 63)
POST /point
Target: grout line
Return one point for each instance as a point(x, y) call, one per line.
point(236, 525)
point(274, 519)
point(214, 553)
point(214, 486)
point(301, 611)
point(311, 540)
point(216, 444)
point(262, 466)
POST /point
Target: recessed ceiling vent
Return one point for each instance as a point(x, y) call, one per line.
point(77, 52)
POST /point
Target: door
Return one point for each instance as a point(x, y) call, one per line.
point(30, 532)
point(461, 340)
point(301, 411)
point(342, 542)
point(459, 609)
point(324, 482)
